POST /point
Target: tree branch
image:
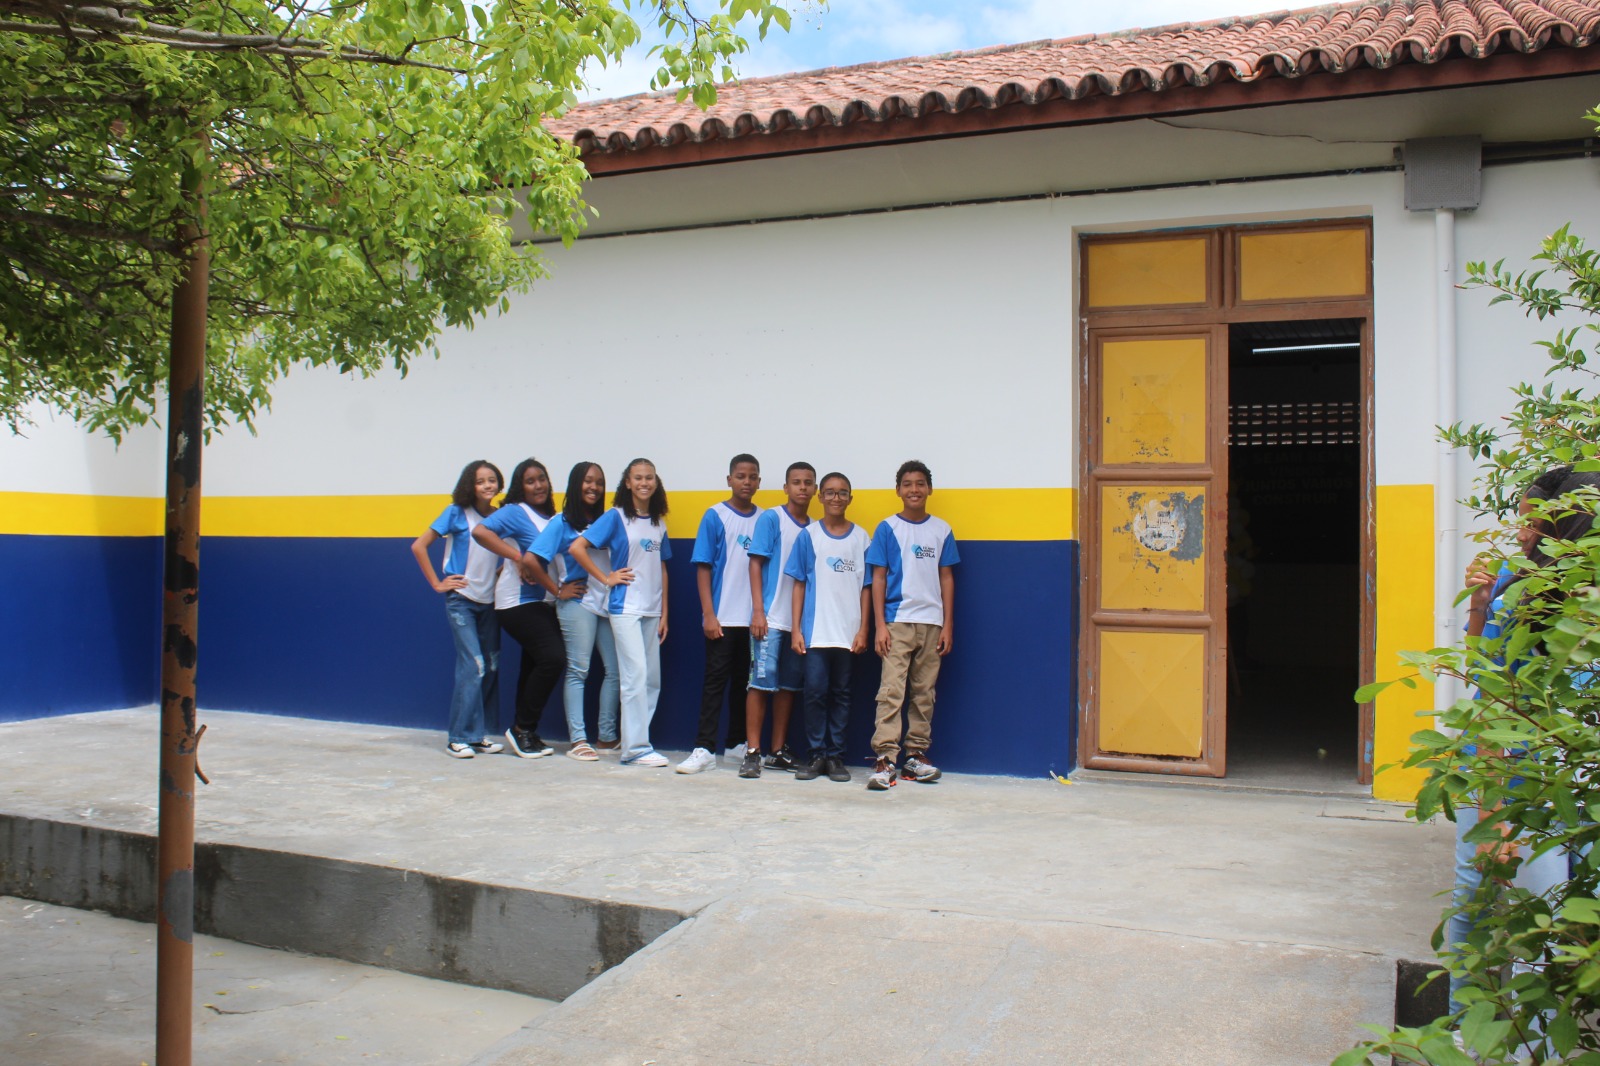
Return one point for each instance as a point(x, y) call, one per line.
point(76, 228)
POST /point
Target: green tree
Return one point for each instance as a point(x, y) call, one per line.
point(357, 162)
point(1526, 742)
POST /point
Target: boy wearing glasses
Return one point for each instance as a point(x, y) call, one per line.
point(913, 556)
point(775, 669)
point(829, 569)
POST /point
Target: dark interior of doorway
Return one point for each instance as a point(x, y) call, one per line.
point(1294, 552)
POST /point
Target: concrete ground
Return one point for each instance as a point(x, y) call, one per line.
point(974, 920)
point(78, 989)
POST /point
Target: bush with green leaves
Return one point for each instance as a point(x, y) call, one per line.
point(1525, 741)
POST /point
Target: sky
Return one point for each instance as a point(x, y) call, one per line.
point(848, 32)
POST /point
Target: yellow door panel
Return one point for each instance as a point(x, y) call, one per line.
point(1152, 692)
point(1152, 548)
point(1147, 273)
point(1153, 400)
point(1302, 264)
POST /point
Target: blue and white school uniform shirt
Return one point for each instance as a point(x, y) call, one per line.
point(723, 543)
point(465, 556)
point(911, 554)
point(554, 546)
point(640, 545)
point(835, 571)
point(520, 525)
point(774, 539)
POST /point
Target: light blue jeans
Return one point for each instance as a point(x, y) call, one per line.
point(639, 663)
point(583, 630)
point(1538, 876)
point(476, 694)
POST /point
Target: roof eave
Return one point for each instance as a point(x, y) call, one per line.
point(1501, 68)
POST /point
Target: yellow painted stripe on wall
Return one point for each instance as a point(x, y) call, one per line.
point(975, 514)
point(61, 515)
point(1405, 623)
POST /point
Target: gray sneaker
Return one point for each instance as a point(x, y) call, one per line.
point(917, 768)
point(751, 765)
point(835, 768)
point(810, 769)
point(883, 776)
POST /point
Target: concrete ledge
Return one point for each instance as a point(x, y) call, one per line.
point(493, 936)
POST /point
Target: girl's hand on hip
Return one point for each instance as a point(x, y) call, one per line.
point(571, 590)
point(451, 584)
point(623, 576)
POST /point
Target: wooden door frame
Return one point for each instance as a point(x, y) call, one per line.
point(1223, 311)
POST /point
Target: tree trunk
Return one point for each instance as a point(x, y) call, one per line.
point(179, 644)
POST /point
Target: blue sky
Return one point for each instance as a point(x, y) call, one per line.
point(865, 31)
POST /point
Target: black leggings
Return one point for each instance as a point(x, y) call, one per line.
point(544, 657)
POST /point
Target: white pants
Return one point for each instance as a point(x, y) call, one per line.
point(639, 664)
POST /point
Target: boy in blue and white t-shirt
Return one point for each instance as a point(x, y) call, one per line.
point(829, 568)
point(722, 572)
point(775, 670)
point(913, 600)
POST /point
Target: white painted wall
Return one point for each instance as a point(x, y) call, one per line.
point(853, 342)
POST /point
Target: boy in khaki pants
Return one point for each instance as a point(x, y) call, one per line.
point(913, 603)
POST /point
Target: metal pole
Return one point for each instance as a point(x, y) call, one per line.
point(1447, 580)
point(180, 581)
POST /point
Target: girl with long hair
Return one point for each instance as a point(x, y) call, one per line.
point(526, 609)
point(580, 608)
point(634, 533)
point(468, 588)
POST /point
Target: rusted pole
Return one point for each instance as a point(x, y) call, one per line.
point(180, 583)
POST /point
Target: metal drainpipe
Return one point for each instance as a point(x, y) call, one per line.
point(1446, 572)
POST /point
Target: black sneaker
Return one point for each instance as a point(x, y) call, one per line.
point(782, 759)
point(750, 765)
point(810, 771)
point(835, 768)
point(527, 745)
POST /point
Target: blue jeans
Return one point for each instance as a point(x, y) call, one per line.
point(1536, 875)
point(583, 630)
point(639, 664)
point(827, 700)
point(775, 665)
point(477, 683)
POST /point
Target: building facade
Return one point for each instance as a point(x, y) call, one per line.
point(1167, 332)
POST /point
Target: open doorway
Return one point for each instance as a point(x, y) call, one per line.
point(1294, 552)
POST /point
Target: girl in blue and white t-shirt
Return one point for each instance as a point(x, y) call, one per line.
point(634, 532)
point(468, 587)
point(524, 603)
point(581, 608)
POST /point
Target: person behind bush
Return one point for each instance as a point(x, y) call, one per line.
point(526, 609)
point(581, 609)
point(775, 670)
point(829, 568)
point(1488, 618)
point(468, 587)
point(913, 556)
point(634, 532)
point(722, 575)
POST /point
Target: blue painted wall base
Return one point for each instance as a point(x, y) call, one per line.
point(345, 630)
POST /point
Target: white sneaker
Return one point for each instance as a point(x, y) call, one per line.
point(737, 752)
point(699, 759)
point(458, 751)
point(654, 758)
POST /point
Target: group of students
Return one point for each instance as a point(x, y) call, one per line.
point(785, 603)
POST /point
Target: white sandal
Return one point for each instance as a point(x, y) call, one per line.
point(583, 752)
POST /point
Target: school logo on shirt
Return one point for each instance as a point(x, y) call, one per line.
point(841, 566)
point(744, 541)
point(646, 544)
point(919, 551)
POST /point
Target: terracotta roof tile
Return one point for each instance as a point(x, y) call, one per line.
point(1334, 38)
